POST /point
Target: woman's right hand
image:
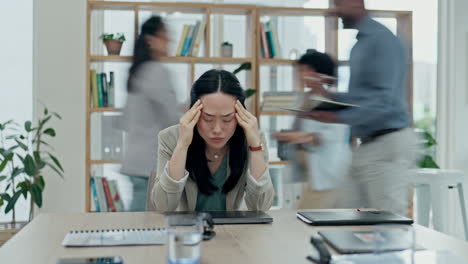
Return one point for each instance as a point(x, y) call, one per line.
point(187, 123)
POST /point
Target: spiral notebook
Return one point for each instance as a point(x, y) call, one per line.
point(115, 237)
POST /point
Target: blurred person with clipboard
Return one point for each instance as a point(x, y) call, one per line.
point(322, 152)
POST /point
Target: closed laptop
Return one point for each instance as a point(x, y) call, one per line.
point(351, 217)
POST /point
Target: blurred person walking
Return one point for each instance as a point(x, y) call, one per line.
point(322, 154)
point(151, 107)
point(389, 147)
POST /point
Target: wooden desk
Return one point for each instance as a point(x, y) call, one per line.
point(284, 241)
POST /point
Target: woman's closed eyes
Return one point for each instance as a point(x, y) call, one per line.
point(225, 118)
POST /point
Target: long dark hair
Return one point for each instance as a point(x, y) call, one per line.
point(214, 81)
point(141, 51)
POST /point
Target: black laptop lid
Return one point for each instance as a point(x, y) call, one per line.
point(240, 217)
point(234, 217)
point(352, 217)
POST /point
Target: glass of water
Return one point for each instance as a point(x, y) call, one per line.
point(184, 236)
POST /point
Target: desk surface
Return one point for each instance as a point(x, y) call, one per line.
point(284, 241)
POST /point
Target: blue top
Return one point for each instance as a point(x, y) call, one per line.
point(377, 82)
point(217, 200)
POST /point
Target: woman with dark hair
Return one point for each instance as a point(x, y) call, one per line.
point(151, 107)
point(215, 155)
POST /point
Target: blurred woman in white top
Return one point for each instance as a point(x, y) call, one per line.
point(151, 107)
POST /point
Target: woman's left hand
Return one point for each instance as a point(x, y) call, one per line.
point(249, 123)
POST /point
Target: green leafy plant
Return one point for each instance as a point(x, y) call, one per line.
point(110, 36)
point(226, 43)
point(24, 155)
point(246, 66)
point(427, 161)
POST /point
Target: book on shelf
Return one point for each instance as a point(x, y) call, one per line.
point(269, 41)
point(94, 88)
point(106, 195)
point(190, 39)
point(266, 52)
point(105, 90)
point(101, 196)
point(276, 100)
point(107, 192)
point(198, 38)
point(94, 196)
point(111, 90)
point(182, 40)
point(274, 34)
point(269, 38)
point(187, 40)
point(115, 194)
point(102, 89)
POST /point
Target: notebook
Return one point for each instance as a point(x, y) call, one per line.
point(115, 237)
point(351, 217)
point(349, 242)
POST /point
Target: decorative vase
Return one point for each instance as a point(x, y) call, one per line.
point(113, 46)
point(226, 50)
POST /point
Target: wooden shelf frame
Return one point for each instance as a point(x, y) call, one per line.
point(254, 15)
point(174, 59)
point(104, 109)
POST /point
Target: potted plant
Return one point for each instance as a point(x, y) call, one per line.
point(427, 160)
point(226, 49)
point(24, 155)
point(113, 42)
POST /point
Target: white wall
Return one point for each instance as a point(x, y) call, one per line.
point(16, 73)
point(59, 82)
point(453, 85)
point(452, 125)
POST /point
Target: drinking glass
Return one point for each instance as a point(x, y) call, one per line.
point(184, 235)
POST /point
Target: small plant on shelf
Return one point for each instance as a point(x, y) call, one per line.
point(113, 42)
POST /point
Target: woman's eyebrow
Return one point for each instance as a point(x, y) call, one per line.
point(210, 115)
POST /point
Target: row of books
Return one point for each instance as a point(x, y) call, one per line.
point(269, 42)
point(189, 43)
point(106, 195)
point(102, 89)
point(275, 101)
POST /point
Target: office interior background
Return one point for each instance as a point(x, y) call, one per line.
point(43, 61)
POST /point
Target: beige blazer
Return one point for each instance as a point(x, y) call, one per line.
point(169, 195)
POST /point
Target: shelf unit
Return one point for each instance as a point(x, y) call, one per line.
point(253, 16)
